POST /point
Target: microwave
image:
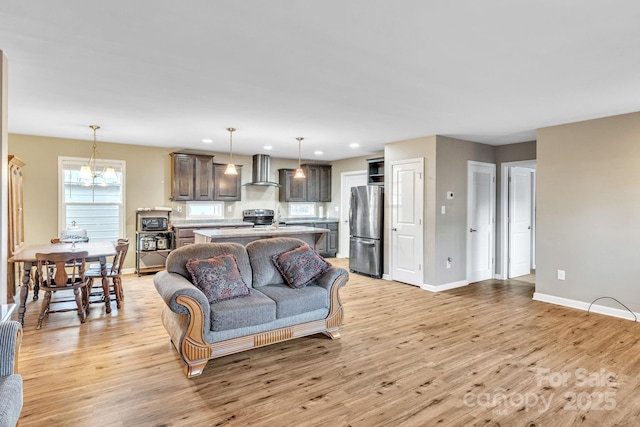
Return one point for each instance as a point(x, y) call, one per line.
point(154, 224)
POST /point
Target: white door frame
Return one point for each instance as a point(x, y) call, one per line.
point(503, 274)
point(345, 194)
point(493, 225)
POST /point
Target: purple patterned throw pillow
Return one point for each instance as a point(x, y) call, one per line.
point(218, 277)
point(300, 266)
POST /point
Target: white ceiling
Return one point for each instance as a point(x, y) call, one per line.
point(170, 73)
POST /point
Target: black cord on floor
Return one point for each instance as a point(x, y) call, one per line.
point(632, 313)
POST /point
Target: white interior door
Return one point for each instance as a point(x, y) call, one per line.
point(520, 221)
point(481, 201)
point(348, 180)
point(407, 207)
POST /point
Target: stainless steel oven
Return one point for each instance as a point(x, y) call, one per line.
point(259, 217)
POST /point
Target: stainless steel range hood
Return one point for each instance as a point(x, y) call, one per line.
point(260, 173)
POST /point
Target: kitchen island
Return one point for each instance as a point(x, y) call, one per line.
point(185, 229)
point(311, 235)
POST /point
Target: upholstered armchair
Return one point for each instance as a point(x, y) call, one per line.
point(10, 381)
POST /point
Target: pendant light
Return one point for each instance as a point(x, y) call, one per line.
point(89, 171)
point(231, 168)
point(299, 172)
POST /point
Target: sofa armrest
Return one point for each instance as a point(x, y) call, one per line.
point(172, 285)
point(332, 280)
point(10, 340)
point(328, 278)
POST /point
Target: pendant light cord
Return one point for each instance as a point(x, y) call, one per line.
point(230, 144)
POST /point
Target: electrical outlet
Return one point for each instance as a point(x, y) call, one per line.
point(449, 260)
point(560, 274)
point(179, 209)
point(229, 208)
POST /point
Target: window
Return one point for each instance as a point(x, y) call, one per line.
point(302, 209)
point(95, 204)
point(205, 210)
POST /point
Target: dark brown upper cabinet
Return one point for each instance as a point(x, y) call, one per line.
point(226, 188)
point(316, 187)
point(192, 177)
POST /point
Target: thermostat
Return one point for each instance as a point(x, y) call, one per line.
point(449, 194)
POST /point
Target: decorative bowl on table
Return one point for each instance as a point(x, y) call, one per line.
point(73, 235)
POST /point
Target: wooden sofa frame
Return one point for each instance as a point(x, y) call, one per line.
point(196, 352)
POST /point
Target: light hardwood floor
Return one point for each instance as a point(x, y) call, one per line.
point(469, 356)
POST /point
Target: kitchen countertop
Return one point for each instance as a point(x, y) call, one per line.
point(260, 232)
point(210, 223)
point(232, 222)
point(307, 220)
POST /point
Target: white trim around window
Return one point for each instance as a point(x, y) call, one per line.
point(96, 204)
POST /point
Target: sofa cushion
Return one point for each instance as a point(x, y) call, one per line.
point(290, 302)
point(254, 309)
point(261, 254)
point(177, 259)
point(300, 266)
point(218, 277)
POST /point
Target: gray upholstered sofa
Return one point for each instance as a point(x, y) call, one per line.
point(273, 311)
point(10, 381)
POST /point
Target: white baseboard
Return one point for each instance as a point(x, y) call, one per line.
point(581, 305)
point(128, 271)
point(444, 287)
point(387, 277)
point(498, 277)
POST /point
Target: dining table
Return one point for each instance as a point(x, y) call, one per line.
point(97, 251)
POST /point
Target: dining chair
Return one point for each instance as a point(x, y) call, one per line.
point(60, 271)
point(114, 273)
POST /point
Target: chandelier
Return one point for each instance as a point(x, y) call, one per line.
point(89, 171)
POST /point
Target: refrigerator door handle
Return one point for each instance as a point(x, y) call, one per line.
point(351, 205)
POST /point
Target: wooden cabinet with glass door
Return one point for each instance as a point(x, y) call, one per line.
point(15, 220)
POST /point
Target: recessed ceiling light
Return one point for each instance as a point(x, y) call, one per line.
point(207, 141)
point(354, 145)
point(318, 153)
point(268, 147)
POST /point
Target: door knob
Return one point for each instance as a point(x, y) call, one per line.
point(471, 230)
point(394, 229)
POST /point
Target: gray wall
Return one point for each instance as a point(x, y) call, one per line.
point(419, 148)
point(588, 210)
point(446, 170)
point(451, 228)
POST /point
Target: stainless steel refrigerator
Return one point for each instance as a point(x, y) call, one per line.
point(365, 230)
